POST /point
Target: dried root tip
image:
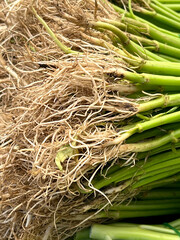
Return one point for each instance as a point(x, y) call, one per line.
point(10, 70)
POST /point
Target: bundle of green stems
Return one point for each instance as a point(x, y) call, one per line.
point(146, 40)
point(136, 41)
point(156, 179)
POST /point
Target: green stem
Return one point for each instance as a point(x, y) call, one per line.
point(175, 223)
point(140, 127)
point(157, 46)
point(165, 12)
point(169, 1)
point(162, 101)
point(124, 40)
point(130, 9)
point(127, 89)
point(160, 32)
point(161, 194)
point(163, 9)
point(64, 48)
point(130, 46)
point(101, 232)
point(83, 234)
point(175, 7)
point(160, 18)
point(164, 38)
point(145, 78)
point(143, 206)
point(173, 164)
point(154, 33)
point(165, 68)
point(157, 229)
point(153, 171)
point(154, 178)
point(164, 148)
point(110, 46)
point(148, 54)
point(162, 182)
point(121, 35)
point(159, 131)
point(159, 158)
point(170, 59)
point(150, 144)
point(125, 173)
point(122, 26)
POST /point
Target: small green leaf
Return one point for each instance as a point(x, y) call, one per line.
point(64, 152)
point(32, 48)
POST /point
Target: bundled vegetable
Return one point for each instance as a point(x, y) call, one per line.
point(96, 111)
point(119, 40)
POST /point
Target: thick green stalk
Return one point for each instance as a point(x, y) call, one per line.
point(127, 89)
point(175, 7)
point(154, 33)
point(163, 167)
point(162, 101)
point(162, 19)
point(154, 170)
point(119, 175)
point(157, 229)
point(145, 206)
point(145, 78)
point(160, 32)
point(124, 40)
point(150, 144)
point(155, 88)
point(170, 59)
point(165, 10)
point(159, 158)
point(140, 127)
point(148, 54)
point(164, 38)
point(122, 224)
point(122, 26)
point(121, 35)
point(128, 57)
point(83, 234)
point(135, 214)
point(152, 79)
point(155, 67)
point(175, 223)
point(165, 68)
point(162, 182)
point(159, 131)
point(146, 175)
point(170, 146)
point(169, 1)
point(148, 180)
point(157, 46)
point(104, 232)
